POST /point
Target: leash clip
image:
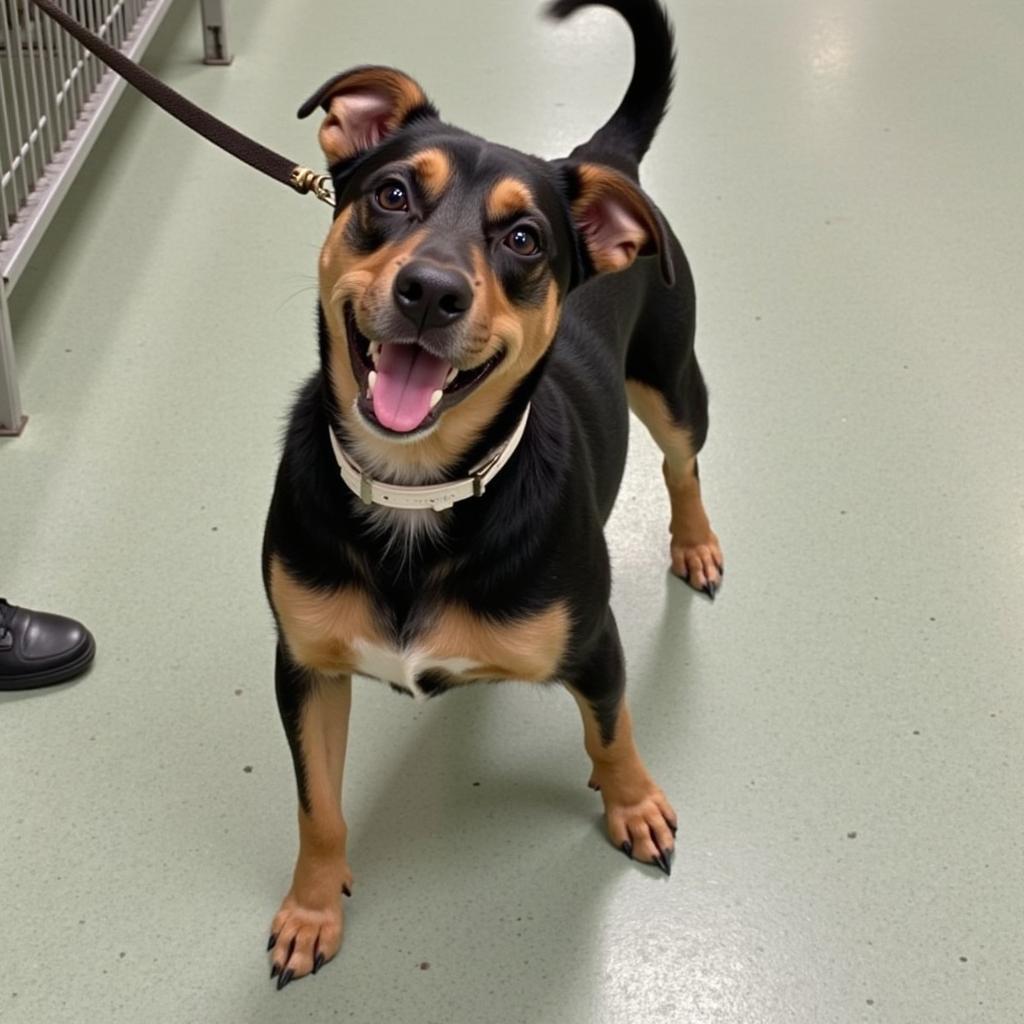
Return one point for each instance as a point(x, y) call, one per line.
point(304, 180)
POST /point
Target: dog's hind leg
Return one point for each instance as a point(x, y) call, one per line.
point(307, 929)
point(638, 816)
point(695, 551)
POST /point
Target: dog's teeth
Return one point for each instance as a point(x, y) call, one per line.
point(371, 382)
point(452, 374)
point(435, 398)
point(374, 351)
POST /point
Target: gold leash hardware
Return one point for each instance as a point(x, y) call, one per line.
point(304, 180)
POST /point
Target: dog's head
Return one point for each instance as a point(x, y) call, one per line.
point(443, 276)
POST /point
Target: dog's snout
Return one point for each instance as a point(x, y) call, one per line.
point(431, 295)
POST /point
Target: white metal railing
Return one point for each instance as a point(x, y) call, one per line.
point(55, 97)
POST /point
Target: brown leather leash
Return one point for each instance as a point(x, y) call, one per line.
point(278, 167)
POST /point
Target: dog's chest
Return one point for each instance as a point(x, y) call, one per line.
point(336, 631)
point(409, 667)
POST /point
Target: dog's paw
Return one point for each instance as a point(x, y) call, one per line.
point(306, 932)
point(699, 564)
point(643, 827)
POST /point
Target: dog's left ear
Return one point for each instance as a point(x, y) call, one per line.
point(364, 106)
point(615, 220)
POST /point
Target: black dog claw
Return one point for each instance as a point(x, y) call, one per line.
point(346, 890)
point(710, 589)
point(274, 971)
point(627, 849)
point(271, 942)
point(318, 962)
point(664, 861)
point(285, 978)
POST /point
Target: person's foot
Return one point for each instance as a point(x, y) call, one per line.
point(40, 649)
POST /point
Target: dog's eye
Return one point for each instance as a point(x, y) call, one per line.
point(391, 196)
point(523, 241)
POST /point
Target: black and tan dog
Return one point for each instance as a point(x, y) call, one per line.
point(438, 512)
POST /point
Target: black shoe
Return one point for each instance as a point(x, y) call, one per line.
point(40, 649)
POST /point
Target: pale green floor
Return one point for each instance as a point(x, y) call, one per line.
point(841, 732)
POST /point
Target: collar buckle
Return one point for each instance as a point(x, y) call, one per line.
point(365, 489)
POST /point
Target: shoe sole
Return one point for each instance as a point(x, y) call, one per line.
point(61, 674)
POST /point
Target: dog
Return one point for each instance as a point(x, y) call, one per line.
point(486, 320)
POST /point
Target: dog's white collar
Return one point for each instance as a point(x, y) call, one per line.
point(436, 496)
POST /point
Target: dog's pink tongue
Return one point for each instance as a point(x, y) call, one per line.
point(406, 378)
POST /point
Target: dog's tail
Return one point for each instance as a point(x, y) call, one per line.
point(630, 130)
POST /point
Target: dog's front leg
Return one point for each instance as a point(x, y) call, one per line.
point(639, 818)
point(307, 929)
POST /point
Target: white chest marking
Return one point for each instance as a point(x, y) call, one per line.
point(401, 667)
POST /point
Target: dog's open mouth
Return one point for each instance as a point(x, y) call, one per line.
point(402, 387)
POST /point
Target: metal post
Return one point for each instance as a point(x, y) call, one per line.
point(11, 418)
point(215, 32)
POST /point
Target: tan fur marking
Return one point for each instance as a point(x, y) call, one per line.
point(530, 648)
point(433, 170)
point(696, 553)
point(675, 441)
point(509, 197)
point(636, 810)
point(320, 626)
point(366, 282)
point(311, 907)
point(620, 755)
point(524, 332)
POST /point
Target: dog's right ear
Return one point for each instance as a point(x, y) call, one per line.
point(364, 106)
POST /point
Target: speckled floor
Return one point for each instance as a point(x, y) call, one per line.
point(841, 732)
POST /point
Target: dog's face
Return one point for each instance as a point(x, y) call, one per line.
point(443, 276)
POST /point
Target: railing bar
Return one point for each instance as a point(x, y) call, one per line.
point(117, 29)
point(39, 115)
point(16, 55)
point(5, 219)
point(5, 215)
point(108, 19)
point(46, 42)
point(87, 66)
point(68, 93)
point(8, 146)
point(63, 101)
point(5, 104)
point(63, 78)
point(91, 66)
point(125, 14)
point(104, 26)
point(71, 49)
point(46, 92)
point(16, 59)
point(13, 120)
point(83, 59)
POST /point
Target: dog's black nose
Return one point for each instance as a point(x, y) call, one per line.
point(431, 295)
